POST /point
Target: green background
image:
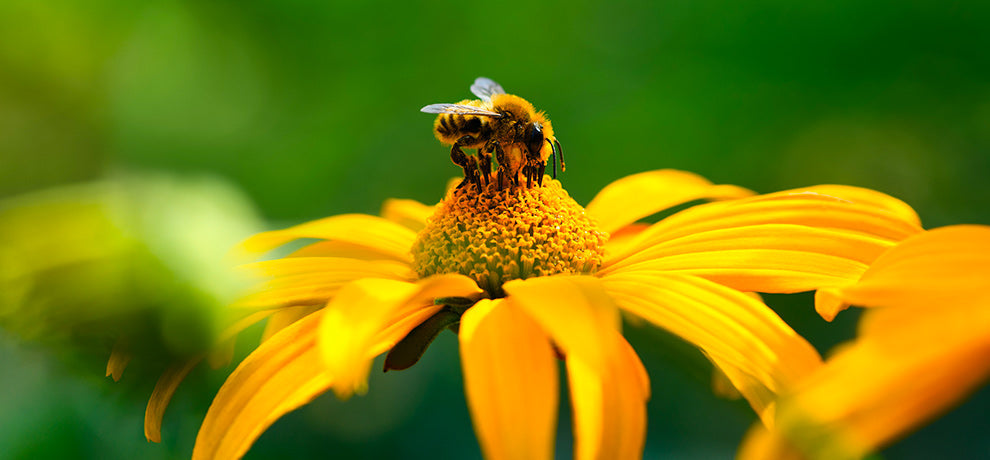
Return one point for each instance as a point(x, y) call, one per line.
point(311, 108)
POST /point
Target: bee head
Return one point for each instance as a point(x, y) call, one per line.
point(534, 139)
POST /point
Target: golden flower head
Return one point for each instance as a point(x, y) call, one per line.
point(493, 236)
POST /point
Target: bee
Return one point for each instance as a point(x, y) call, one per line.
point(504, 125)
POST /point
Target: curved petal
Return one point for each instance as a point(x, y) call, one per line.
point(169, 381)
point(740, 334)
point(799, 207)
point(408, 213)
point(362, 230)
point(510, 379)
point(120, 356)
point(285, 317)
point(609, 386)
point(868, 197)
point(162, 395)
point(946, 265)
point(313, 280)
point(609, 404)
point(369, 316)
point(778, 258)
point(731, 381)
point(641, 195)
point(282, 374)
point(788, 241)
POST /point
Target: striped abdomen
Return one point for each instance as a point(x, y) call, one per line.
point(449, 127)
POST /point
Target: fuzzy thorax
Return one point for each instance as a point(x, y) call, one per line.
point(494, 236)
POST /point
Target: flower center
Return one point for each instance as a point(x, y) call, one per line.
point(494, 236)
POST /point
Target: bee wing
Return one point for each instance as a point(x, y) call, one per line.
point(485, 88)
point(459, 110)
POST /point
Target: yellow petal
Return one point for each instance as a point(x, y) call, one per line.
point(344, 249)
point(722, 385)
point(641, 195)
point(369, 316)
point(282, 374)
point(351, 323)
point(868, 197)
point(947, 265)
point(619, 241)
point(574, 310)
point(313, 280)
point(730, 381)
point(408, 213)
point(632, 392)
point(162, 395)
point(120, 356)
point(175, 374)
point(782, 242)
point(609, 386)
point(762, 443)
point(798, 207)
point(919, 353)
point(888, 382)
point(284, 317)
point(510, 378)
point(778, 258)
point(828, 303)
point(609, 404)
point(363, 230)
point(740, 334)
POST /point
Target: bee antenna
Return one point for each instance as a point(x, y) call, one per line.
point(560, 153)
point(553, 158)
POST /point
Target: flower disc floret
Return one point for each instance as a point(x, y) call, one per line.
point(494, 236)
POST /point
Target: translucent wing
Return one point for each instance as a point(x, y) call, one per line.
point(485, 88)
point(459, 110)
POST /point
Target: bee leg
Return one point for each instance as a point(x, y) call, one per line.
point(553, 160)
point(473, 176)
point(468, 164)
point(503, 163)
point(485, 160)
point(528, 172)
point(485, 166)
point(540, 169)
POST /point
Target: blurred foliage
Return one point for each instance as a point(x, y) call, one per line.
point(143, 256)
point(138, 260)
point(312, 109)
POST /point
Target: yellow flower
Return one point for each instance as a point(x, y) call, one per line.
point(527, 276)
point(920, 351)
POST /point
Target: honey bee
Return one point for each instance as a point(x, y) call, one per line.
point(505, 125)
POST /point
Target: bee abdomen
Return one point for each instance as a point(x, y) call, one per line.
point(451, 127)
point(446, 125)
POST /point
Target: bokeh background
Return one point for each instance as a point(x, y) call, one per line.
point(295, 110)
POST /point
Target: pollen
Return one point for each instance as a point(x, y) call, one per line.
point(494, 236)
